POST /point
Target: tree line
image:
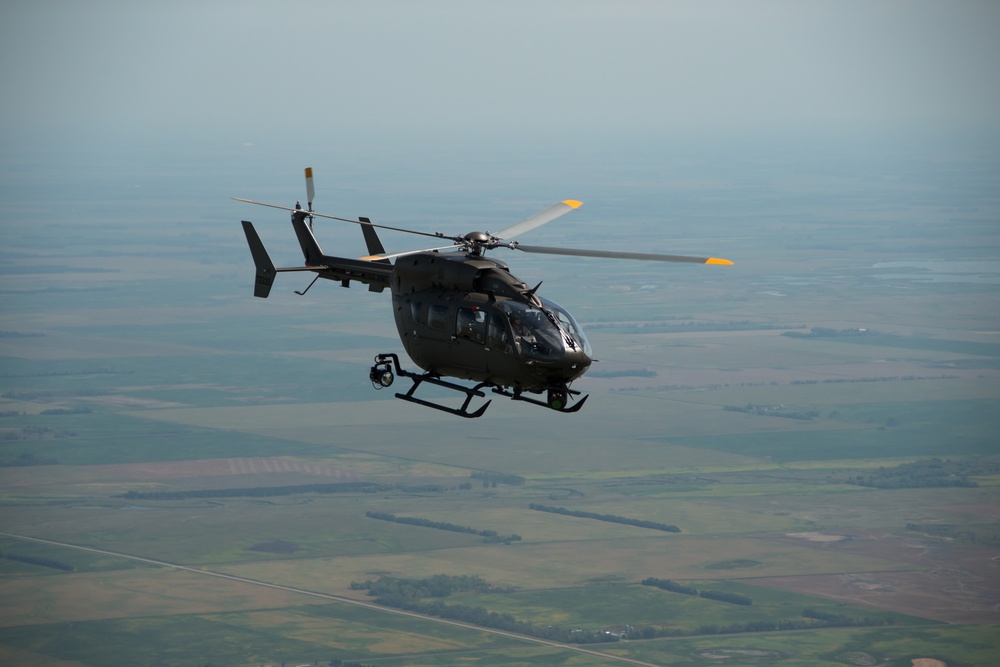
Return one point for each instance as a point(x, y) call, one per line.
point(25, 459)
point(926, 474)
point(955, 533)
point(610, 518)
point(269, 491)
point(773, 411)
point(720, 596)
point(413, 594)
point(498, 478)
point(436, 586)
point(40, 561)
point(489, 536)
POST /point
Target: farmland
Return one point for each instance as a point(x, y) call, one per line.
point(203, 467)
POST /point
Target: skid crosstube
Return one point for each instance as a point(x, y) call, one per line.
point(420, 378)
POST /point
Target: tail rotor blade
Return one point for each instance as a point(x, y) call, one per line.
point(310, 190)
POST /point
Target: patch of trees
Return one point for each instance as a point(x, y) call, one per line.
point(36, 433)
point(806, 622)
point(825, 332)
point(720, 596)
point(773, 411)
point(669, 585)
point(25, 459)
point(411, 594)
point(495, 478)
point(436, 586)
point(489, 536)
point(265, 491)
point(611, 518)
point(926, 474)
point(40, 561)
point(66, 411)
point(341, 663)
point(955, 533)
point(426, 596)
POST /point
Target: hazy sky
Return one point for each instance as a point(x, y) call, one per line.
point(257, 71)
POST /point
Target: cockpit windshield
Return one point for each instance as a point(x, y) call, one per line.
point(544, 332)
point(569, 325)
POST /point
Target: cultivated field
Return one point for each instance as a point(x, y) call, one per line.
point(187, 472)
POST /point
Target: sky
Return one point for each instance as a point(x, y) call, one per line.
point(389, 72)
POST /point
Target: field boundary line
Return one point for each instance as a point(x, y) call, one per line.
point(331, 597)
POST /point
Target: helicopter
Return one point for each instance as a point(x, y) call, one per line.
point(460, 314)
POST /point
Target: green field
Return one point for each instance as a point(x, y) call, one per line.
point(156, 372)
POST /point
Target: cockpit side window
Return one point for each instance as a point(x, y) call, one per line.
point(534, 333)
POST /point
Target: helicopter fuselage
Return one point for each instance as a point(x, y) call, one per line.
point(468, 317)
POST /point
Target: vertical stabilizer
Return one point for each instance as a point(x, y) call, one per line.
point(311, 251)
point(265, 268)
point(372, 240)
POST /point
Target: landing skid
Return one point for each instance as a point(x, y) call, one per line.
point(556, 399)
point(381, 377)
point(386, 365)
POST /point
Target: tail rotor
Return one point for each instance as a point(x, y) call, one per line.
point(310, 193)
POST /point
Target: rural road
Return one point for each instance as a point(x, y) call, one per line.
point(326, 596)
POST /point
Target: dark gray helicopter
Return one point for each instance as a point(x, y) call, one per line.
point(460, 314)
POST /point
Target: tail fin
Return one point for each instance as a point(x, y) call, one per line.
point(375, 247)
point(311, 251)
point(372, 240)
point(265, 268)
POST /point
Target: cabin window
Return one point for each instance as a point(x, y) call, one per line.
point(437, 317)
point(417, 313)
point(471, 324)
point(496, 335)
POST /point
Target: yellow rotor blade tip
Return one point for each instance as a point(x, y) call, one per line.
point(716, 260)
point(574, 203)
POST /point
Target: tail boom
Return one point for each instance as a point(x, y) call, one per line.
point(342, 269)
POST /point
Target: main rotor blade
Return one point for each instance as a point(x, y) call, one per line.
point(356, 222)
point(611, 254)
point(393, 255)
point(540, 218)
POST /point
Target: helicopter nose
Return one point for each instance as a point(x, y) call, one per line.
point(575, 363)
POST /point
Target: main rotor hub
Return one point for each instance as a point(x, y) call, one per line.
point(478, 238)
point(479, 241)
